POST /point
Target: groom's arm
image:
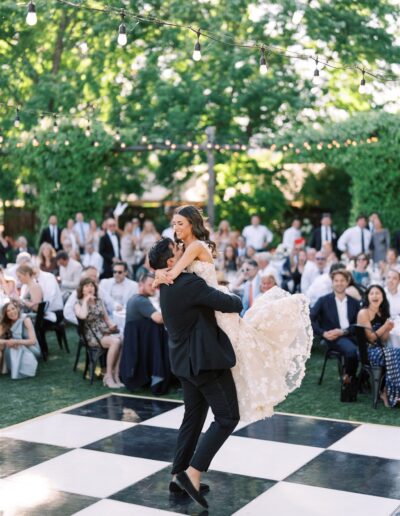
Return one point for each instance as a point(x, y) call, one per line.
point(200, 294)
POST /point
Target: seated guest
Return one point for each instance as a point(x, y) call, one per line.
point(241, 246)
point(18, 342)
point(360, 274)
point(119, 287)
point(31, 292)
point(229, 259)
point(21, 246)
point(139, 306)
point(70, 273)
point(251, 286)
point(250, 252)
point(51, 294)
point(8, 284)
point(268, 280)
point(293, 268)
point(392, 292)
point(331, 316)
point(390, 263)
point(312, 270)
point(69, 307)
point(99, 330)
point(322, 285)
point(92, 258)
point(46, 259)
point(376, 316)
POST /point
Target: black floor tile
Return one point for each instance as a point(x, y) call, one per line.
point(297, 430)
point(147, 442)
point(18, 455)
point(350, 472)
point(125, 408)
point(228, 493)
point(53, 503)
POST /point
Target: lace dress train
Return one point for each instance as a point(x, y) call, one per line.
point(272, 344)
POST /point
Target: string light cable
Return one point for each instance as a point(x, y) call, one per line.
point(229, 40)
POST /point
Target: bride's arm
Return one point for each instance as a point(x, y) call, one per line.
point(192, 252)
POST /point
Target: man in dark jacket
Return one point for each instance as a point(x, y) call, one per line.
point(110, 248)
point(332, 315)
point(201, 357)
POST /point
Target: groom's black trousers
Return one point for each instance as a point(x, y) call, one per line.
point(215, 389)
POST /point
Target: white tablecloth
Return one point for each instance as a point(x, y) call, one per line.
point(119, 318)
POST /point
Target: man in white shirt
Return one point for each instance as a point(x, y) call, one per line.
point(356, 240)
point(119, 287)
point(265, 266)
point(312, 270)
point(82, 229)
point(70, 273)
point(69, 308)
point(51, 294)
point(291, 234)
point(92, 258)
point(257, 235)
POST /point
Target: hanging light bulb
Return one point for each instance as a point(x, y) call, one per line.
point(17, 121)
point(88, 131)
point(55, 126)
point(362, 89)
point(35, 141)
point(31, 18)
point(122, 38)
point(117, 135)
point(316, 78)
point(197, 49)
point(263, 62)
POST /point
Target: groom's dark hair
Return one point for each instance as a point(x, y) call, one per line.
point(160, 253)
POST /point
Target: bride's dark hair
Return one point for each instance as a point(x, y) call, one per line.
point(195, 218)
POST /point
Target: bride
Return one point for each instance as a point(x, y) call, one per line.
point(272, 342)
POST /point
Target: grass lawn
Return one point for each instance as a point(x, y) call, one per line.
point(57, 386)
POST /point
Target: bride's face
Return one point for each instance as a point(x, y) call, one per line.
point(182, 227)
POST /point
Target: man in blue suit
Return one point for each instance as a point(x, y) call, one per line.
point(332, 315)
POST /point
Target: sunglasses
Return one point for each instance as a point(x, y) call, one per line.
point(118, 272)
point(320, 259)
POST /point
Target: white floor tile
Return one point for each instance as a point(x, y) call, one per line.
point(67, 430)
point(286, 499)
point(375, 440)
point(264, 459)
point(173, 419)
point(113, 507)
point(89, 472)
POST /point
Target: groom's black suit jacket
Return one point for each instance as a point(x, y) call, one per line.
point(196, 343)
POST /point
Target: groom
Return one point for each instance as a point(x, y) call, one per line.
point(201, 357)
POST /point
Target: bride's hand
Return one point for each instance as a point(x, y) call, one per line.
point(163, 277)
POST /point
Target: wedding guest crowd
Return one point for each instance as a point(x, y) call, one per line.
point(99, 273)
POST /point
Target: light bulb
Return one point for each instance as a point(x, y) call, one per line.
point(263, 63)
point(117, 135)
point(122, 39)
point(55, 126)
point(31, 18)
point(362, 89)
point(316, 78)
point(17, 120)
point(197, 50)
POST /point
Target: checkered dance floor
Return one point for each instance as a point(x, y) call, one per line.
point(112, 456)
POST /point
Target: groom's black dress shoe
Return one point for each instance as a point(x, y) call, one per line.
point(174, 488)
point(185, 483)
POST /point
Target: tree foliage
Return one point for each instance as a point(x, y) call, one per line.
point(374, 168)
point(152, 87)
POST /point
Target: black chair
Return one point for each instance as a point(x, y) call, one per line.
point(375, 373)
point(330, 353)
point(39, 329)
point(58, 327)
point(93, 354)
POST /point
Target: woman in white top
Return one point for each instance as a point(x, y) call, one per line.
point(128, 246)
point(392, 292)
point(70, 233)
point(148, 236)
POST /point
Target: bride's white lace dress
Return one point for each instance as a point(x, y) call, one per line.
point(272, 344)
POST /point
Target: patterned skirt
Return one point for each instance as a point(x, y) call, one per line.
point(390, 359)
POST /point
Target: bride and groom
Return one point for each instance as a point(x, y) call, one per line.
point(240, 367)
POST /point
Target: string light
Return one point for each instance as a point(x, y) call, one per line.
point(263, 62)
point(35, 141)
point(117, 135)
point(362, 88)
point(122, 39)
point(197, 49)
point(17, 121)
point(88, 131)
point(31, 18)
point(55, 126)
